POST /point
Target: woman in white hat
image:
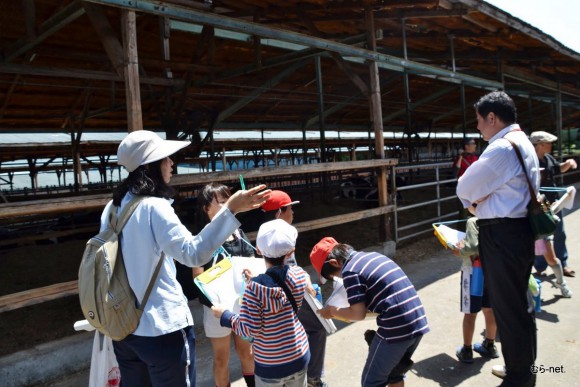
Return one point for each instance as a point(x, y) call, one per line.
point(161, 351)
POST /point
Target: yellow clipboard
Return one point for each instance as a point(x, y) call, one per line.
point(223, 283)
point(447, 236)
point(216, 278)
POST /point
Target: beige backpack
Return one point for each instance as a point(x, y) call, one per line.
point(106, 298)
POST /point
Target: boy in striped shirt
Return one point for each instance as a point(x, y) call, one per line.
point(375, 283)
point(268, 311)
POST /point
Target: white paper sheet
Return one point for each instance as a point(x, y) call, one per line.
point(315, 305)
point(450, 235)
point(566, 201)
point(224, 284)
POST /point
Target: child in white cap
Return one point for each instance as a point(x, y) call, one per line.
point(268, 314)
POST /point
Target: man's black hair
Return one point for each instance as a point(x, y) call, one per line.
point(499, 103)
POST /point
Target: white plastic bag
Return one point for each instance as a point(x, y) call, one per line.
point(104, 367)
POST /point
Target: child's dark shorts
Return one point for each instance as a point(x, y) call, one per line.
point(469, 303)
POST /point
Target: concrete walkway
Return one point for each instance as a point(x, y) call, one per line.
point(437, 281)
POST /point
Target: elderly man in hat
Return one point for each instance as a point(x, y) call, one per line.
point(374, 282)
point(550, 167)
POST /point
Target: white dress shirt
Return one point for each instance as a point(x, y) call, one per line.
point(154, 228)
point(497, 178)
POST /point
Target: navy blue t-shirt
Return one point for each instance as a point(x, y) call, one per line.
point(382, 285)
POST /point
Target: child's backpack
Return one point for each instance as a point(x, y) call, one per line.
point(106, 298)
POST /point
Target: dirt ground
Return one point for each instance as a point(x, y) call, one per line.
point(33, 266)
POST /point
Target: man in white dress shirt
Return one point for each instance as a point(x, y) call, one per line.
point(496, 191)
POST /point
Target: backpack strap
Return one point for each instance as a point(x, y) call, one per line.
point(279, 276)
point(153, 278)
point(521, 160)
point(118, 222)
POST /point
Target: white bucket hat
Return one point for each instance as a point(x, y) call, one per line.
point(143, 147)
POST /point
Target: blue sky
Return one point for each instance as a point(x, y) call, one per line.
point(558, 18)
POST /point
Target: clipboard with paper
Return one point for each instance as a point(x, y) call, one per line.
point(224, 283)
point(339, 297)
point(315, 305)
point(449, 237)
point(565, 201)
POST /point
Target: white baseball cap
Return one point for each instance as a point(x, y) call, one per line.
point(276, 238)
point(143, 147)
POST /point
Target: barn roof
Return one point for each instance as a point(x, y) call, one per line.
point(234, 65)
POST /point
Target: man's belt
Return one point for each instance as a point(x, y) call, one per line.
point(489, 222)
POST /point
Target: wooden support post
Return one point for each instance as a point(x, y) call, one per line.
point(224, 160)
point(377, 121)
point(131, 71)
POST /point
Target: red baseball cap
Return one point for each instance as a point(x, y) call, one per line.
point(319, 254)
point(277, 200)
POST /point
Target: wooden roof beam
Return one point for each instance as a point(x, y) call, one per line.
point(520, 26)
point(422, 101)
point(385, 61)
point(364, 91)
point(379, 15)
point(515, 73)
point(480, 23)
point(81, 74)
point(30, 18)
point(337, 107)
point(224, 114)
point(105, 31)
point(63, 17)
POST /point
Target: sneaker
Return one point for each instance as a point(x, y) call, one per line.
point(566, 291)
point(499, 371)
point(486, 349)
point(465, 354)
point(316, 382)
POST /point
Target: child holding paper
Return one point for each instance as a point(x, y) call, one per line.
point(474, 298)
point(268, 314)
point(376, 283)
point(209, 202)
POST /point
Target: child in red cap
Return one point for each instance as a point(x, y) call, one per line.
point(375, 283)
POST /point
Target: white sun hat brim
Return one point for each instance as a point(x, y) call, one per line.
point(144, 147)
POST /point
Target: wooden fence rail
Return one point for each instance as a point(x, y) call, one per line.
point(92, 202)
